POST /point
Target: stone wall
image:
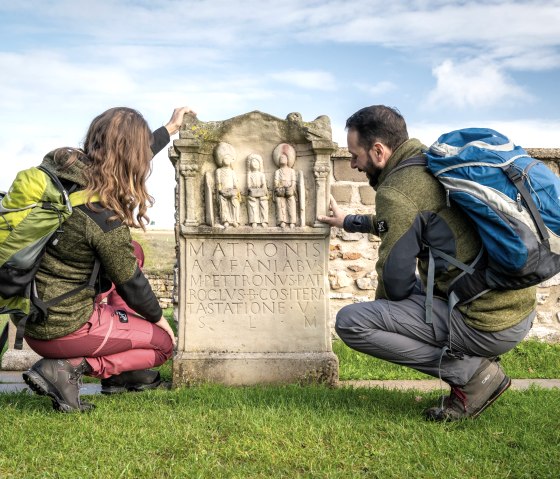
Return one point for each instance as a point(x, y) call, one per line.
point(162, 284)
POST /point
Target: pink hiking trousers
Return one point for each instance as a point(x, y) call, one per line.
point(112, 341)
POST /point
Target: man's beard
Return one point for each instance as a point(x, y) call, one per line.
point(373, 173)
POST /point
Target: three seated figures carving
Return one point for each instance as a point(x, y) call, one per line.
point(288, 189)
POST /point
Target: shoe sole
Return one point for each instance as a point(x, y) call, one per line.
point(133, 388)
point(39, 385)
point(504, 385)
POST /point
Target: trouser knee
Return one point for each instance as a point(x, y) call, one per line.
point(162, 346)
point(344, 321)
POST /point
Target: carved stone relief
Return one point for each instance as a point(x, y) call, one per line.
point(257, 192)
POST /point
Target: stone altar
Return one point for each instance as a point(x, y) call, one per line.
point(253, 292)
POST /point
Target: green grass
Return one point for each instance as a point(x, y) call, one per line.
point(287, 431)
point(291, 431)
point(159, 250)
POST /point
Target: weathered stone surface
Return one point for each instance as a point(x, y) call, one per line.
point(355, 268)
point(341, 295)
point(253, 301)
point(17, 359)
point(246, 369)
point(542, 297)
point(554, 281)
point(345, 236)
point(367, 283)
point(351, 255)
point(339, 279)
point(342, 171)
point(544, 317)
point(342, 193)
point(367, 195)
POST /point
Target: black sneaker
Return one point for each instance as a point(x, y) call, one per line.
point(131, 381)
point(469, 401)
point(59, 380)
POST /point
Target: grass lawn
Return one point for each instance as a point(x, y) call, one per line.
point(159, 249)
point(284, 432)
point(289, 431)
point(277, 432)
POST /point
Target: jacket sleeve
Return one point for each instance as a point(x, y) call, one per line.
point(138, 295)
point(161, 138)
point(360, 224)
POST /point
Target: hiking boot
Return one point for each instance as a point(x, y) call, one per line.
point(131, 381)
point(59, 380)
point(468, 401)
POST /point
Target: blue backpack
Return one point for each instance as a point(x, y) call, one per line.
point(513, 199)
point(514, 202)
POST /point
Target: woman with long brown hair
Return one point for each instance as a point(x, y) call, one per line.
point(81, 335)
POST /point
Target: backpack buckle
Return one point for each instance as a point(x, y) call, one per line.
point(513, 173)
point(453, 354)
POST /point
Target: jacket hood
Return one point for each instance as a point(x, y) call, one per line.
point(55, 161)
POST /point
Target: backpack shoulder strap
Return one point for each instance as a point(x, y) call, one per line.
point(58, 184)
point(79, 197)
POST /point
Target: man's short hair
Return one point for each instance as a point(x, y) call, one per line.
point(378, 123)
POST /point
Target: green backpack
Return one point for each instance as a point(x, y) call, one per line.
point(32, 212)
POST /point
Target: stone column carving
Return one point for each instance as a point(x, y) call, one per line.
point(189, 173)
point(321, 170)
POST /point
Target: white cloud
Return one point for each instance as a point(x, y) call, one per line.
point(28, 75)
point(473, 84)
point(376, 89)
point(522, 26)
point(312, 80)
point(526, 132)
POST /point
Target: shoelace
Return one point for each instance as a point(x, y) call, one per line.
point(76, 378)
point(455, 391)
point(460, 395)
point(443, 396)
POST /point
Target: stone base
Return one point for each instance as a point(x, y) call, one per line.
point(246, 369)
point(19, 359)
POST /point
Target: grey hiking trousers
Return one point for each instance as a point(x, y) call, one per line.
point(396, 331)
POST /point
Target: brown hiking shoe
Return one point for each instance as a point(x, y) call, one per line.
point(468, 401)
point(59, 380)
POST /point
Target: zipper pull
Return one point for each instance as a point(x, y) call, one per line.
point(447, 200)
point(518, 200)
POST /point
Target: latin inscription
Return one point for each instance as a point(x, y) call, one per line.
point(259, 281)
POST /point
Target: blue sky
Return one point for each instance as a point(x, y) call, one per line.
point(445, 64)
